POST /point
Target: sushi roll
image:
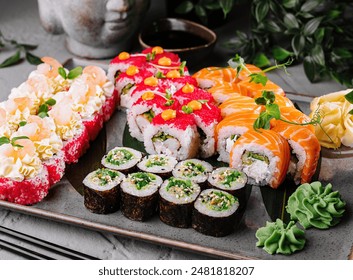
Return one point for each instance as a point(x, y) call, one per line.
point(230, 129)
point(161, 165)
point(23, 178)
point(230, 180)
point(193, 169)
point(139, 195)
point(177, 197)
point(263, 156)
point(122, 159)
point(190, 92)
point(215, 213)
point(207, 77)
point(141, 113)
point(173, 134)
point(101, 191)
point(305, 151)
point(252, 89)
point(239, 104)
point(222, 91)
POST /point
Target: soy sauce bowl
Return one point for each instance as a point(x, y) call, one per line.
point(193, 42)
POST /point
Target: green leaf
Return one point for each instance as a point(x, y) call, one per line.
point(310, 68)
point(260, 101)
point(280, 54)
point(273, 110)
point(350, 112)
point(160, 75)
point(319, 35)
point(187, 109)
point(311, 26)
point(333, 14)
point(51, 102)
point(11, 60)
point(258, 78)
point(23, 123)
point(342, 53)
point(318, 55)
point(261, 60)
point(269, 96)
point(43, 108)
point(272, 26)
point(33, 59)
point(4, 140)
point(200, 11)
point(298, 44)
point(289, 3)
point(226, 6)
point(290, 21)
point(74, 73)
point(261, 10)
point(310, 5)
point(213, 6)
point(29, 47)
point(62, 72)
point(43, 115)
point(349, 97)
point(185, 7)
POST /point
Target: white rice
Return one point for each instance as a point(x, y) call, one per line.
point(216, 178)
point(207, 145)
point(204, 208)
point(124, 166)
point(181, 170)
point(170, 163)
point(172, 197)
point(259, 173)
point(91, 183)
point(296, 169)
point(128, 186)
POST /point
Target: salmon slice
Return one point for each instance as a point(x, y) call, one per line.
point(222, 91)
point(268, 143)
point(306, 146)
point(252, 89)
point(238, 104)
point(208, 77)
point(281, 101)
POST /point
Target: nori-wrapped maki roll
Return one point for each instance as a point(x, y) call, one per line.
point(122, 159)
point(177, 197)
point(230, 180)
point(161, 165)
point(139, 195)
point(101, 190)
point(215, 213)
point(193, 169)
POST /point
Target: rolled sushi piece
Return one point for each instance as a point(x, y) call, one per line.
point(230, 180)
point(305, 151)
point(101, 191)
point(193, 169)
point(239, 104)
point(141, 113)
point(215, 213)
point(139, 195)
point(222, 91)
point(207, 77)
point(161, 165)
point(263, 156)
point(172, 133)
point(252, 89)
point(189, 92)
point(122, 159)
point(177, 197)
point(56, 167)
point(230, 129)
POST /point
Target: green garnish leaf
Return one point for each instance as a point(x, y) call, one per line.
point(260, 101)
point(258, 78)
point(160, 75)
point(33, 59)
point(74, 73)
point(273, 110)
point(168, 94)
point(43, 115)
point(23, 123)
point(43, 108)
point(13, 141)
point(350, 112)
point(181, 68)
point(62, 72)
point(4, 140)
point(29, 47)
point(11, 60)
point(150, 56)
point(170, 102)
point(349, 97)
point(269, 96)
point(187, 109)
point(51, 102)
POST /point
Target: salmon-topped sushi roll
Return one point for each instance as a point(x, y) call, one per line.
point(238, 104)
point(280, 100)
point(230, 129)
point(222, 91)
point(207, 77)
point(190, 92)
point(252, 89)
point(263, 156)
point(295, 116)
point(305, 151)
point(172, 133)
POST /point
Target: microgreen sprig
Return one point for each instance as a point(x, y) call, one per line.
point(150, 56)
point(73, 73)
point(168, 96)
point(5, 140)
point(181, 68)
point(44, 108)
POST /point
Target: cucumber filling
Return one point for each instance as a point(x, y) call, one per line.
point(191, 169)
point(180, 188)
point(103, 176)
point(119, 157)
point(126, 88)
point(249, 158)
point(218, 201)
point(141, 179)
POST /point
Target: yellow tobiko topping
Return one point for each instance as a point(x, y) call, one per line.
point(195, 105)
point(188, 88)
point(157, 50)
point(173, 74)
point(151, 81)
point(132, 70)
point(168, 114)
point(165, 61)
point(148, 95)
point(124, 55)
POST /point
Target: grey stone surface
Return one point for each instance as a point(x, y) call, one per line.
point(20, 20)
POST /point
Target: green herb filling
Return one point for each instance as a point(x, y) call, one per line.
point(228, 177)
point(149, 115)
point(161, 137)
point(191, 169)
point(249, 157)
point(119, 157)
point(218, 201)
point(180, 188)
point(104, 176)
point(156, 161)
point(142, 179)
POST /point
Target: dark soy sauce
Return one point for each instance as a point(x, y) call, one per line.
point(174, 39)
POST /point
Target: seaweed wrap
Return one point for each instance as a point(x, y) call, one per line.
point(176, 201)
point(122, 159)
point(161, 165)
point(215, 213)
point(230, 180)
point(193, 169)
point(139, 195)
point(101, 191)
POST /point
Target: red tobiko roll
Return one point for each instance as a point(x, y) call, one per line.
point(75, 147)
point(189, 92)
point(94, 125)
point(110, 105)
point(55, 167)
point(26, 192)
